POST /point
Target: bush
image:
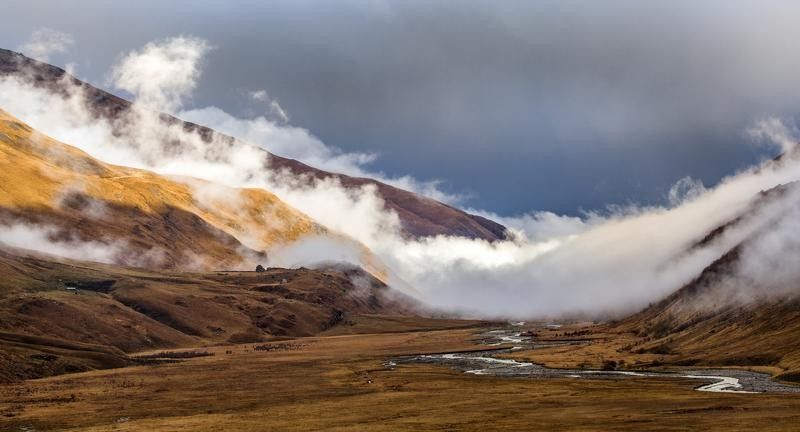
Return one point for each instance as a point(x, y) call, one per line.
point(609, 365)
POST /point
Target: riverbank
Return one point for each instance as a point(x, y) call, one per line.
point(340, 383)
point(492, 362)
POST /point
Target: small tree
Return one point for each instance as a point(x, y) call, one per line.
point(260, 268)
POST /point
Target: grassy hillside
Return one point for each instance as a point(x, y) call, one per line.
point(151, 220)
point(48, 328)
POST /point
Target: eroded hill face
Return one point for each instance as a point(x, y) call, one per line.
point(57, 194)
point(419, 216)
point(66, 316)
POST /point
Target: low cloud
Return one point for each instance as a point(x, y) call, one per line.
point(314, 249)
point(685, 190)
point(767, 268)
point(73, 197)
point(54, 241)
point(50, 240)
point(773, 132)
point(259, 95)
point(162, 73)
point(297, 143)
point(543, 225)
point(600, 264)
point(284, 140)
point(45, 42)
point(275, 110)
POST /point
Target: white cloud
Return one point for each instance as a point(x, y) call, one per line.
point(298, 143)
point(274, 109)
point(284, 140)
point(44, 42)
point(277, 110)
point(562, 265)
point(543, 225)
point(774, 132)
point(51, 240)
point(768, 265)
point(162, 73)
point(42, 238)
point(685, 190)
point(259, 95)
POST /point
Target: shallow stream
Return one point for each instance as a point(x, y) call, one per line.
point(487, 363)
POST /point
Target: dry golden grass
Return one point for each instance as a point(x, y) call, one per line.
point(588, 346)
point(133, 309)
point(374, 323)
point(339, 383)
point(38, 174)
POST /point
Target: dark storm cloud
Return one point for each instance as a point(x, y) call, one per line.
point(545, 105)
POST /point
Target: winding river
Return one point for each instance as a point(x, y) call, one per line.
point(487, 363)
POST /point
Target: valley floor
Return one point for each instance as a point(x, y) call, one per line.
point(342, 383)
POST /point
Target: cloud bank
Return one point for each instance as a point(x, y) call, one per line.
point(598, 265)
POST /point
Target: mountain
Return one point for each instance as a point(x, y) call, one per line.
point(420, 216)
point(726, 316)
point(142, 249)
point(61, 195)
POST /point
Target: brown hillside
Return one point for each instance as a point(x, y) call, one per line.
point(48, 328)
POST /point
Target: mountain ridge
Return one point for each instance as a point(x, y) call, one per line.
point(420, 216)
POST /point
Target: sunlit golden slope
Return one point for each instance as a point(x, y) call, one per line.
point(159, 221)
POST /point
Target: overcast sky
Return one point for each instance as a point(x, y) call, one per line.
point(522, 106)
